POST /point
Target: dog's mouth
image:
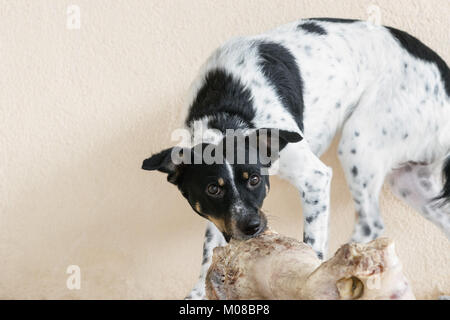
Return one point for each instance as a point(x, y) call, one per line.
point(239, 235)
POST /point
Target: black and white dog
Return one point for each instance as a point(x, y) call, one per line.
point(387, 93)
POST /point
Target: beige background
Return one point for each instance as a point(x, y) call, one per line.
point(81, 109)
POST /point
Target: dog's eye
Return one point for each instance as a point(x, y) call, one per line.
point(214, 190)
point(254, 180)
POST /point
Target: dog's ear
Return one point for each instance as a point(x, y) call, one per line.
point(167, 161)
point(274, 140)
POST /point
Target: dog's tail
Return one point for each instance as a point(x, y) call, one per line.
point(444, 197)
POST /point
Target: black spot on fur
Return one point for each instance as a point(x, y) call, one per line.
point(378, 225)
point(312, 27)
point(279, 66)
point(353, 151)
point(208, 235)
point(425, 184)
point(205, 256)
point(313, 202)
point(310, 219)
point(405, 193)
point(423, 173)
point(308, 240)
point(226, 100)
point(356, 134)
point(436, 90)
point(354, 171)
point(366, 230)
point(419, 50)
point(308, 51)
point(338, 105)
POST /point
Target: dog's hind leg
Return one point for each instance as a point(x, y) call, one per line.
point(213, 238)
point(365, 178)
point(418, 186)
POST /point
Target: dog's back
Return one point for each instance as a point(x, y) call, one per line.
point(311, 75)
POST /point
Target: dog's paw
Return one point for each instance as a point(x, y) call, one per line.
point(196, 294)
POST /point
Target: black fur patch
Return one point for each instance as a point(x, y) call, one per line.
point(337, 20)
point(308, 240)
point(366, 230)
point(355, 171)
point(224, 98)
point(312, 27)
point(417, 49)
point(279, 66)
point(444, 197)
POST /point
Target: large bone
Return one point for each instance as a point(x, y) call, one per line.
point(272, 266)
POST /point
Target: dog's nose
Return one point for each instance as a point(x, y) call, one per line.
point(252, 226)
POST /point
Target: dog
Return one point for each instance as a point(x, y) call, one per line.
point(386, 92)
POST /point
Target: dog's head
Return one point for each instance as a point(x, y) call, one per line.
point(229, 193)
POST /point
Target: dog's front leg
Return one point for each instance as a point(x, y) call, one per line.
point(213, 238)
point(313, 179)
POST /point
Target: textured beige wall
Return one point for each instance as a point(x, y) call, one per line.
point(80, 109)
